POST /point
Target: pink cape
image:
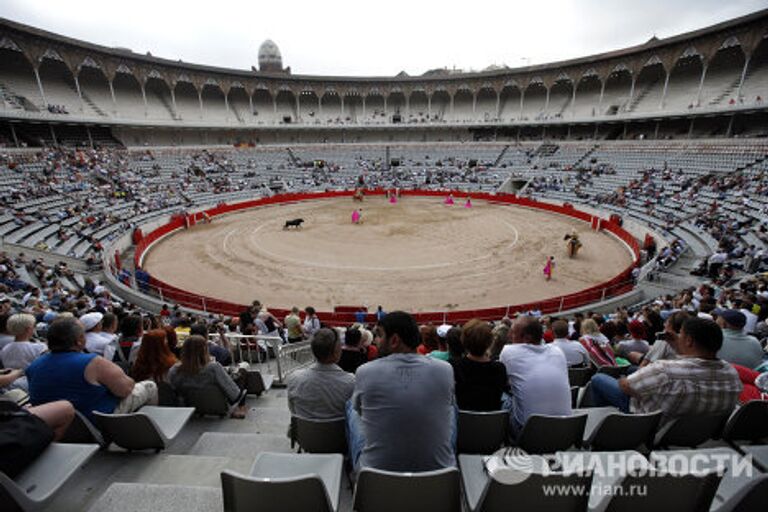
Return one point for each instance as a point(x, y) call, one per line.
point(393, 199)
point(548, 268)
point(468, 204)
point(449, 200)
point(355, 217)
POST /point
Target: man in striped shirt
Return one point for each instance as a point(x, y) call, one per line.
point(695, 383)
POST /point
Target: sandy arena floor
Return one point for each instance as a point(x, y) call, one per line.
point(417, 255)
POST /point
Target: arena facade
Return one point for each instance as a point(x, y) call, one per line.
point(656, 154)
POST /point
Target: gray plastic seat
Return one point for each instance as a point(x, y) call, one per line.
point(481, 432)
point(753, 496)
point(166, 395)
point(208, 400)
point(681, 493)
point(387, 491)
point(485, 493)
point(285, 482)
point(150, 428)
point(580, 376)
point(549, 434)
point(691, 431)
point(82, 431)
point(618, 431)
point(321, 436)
point(36, 485)
point(613, 371)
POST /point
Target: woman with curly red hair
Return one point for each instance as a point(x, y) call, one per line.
point(154, 358)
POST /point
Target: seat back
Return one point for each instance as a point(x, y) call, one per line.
point(748, 423)
point(613, 371)
point(579, 376)
point(691, 431)
point(386, 491)
point(530, 495)
point(481, 432)
point(166, 395)
point(620, 431)
point(681, 493)
point(321, 436)
point(243, 493)
point(83, 431)
point(208, 400)
point(549, 434)
point(752, 496)
point(134, 431)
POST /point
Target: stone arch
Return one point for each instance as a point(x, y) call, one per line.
point(59, 83)
point(186, 97)
point(617, 91)
point(560, 96)
point(25, 94)
point(510, 101)
point(649, 86)
point(587, 98)
point(396, 104)
point(441, 103)
point(463, 100)
point(330, 106)
point(419, 105)
point(534, 99)
point(239, 104)
point(285, 105)
point(486, 108)
point(263, 108)
point(214, 104)
point(684, 80)
point(754, 89)
point(309, 104)
point(724, 71)
point(374, 106)
point(353, 106)
point(160, 101)
point(95, 87)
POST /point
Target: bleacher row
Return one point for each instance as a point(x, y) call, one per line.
point(70, 212)
point(212, 464)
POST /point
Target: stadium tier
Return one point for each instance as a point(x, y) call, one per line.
point(643, 386)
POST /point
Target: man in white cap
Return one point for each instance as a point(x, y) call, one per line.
point(96, 342)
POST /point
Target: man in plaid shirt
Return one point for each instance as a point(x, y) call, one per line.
point(695, 383)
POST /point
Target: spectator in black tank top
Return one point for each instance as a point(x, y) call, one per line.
point(480, 382)
point(352, 355)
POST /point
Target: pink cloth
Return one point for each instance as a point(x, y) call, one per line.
point(468, 204)
point(355, 217)
point(548, 268)
point(448, 200)
point(393, 199)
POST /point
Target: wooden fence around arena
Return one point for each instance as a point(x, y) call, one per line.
point(618, 285)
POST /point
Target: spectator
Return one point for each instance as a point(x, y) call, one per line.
point(5, 336)
point(89, 381)
point(597, 345)
point(322, 390)
point(429, 340)
point(97, 342)
point(293, 326)
point(662, 348)
point(131, 328)
point(23, 350)
point(575, 353)
point(455, 345)
point(154, 357)
point(401, 416)
point(441, 352)
point(311, 322)
point(480, 382)
point(636, 343)
point(196, 371)
point(352, 354)
point(737, 347)
point(695, 383)
point(537, 373)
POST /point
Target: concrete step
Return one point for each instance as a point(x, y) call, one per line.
point(125, 497)
point(239, 446)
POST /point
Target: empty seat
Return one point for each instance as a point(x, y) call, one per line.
point(82, 431)
point(579, 376)
point(618, 431)
point(681, 493)
point(386, 491)
point(691, 431)
point(36, 485)
point(151, 428)
point(748, 423)
point(257, 383)
point(283, 482)
point(753, 496)
point(484, 492)
point(549, 434)
point(481, 432)
point(321, 436)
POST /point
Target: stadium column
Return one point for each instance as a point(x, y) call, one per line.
point(498, 104)
point(664, 92)
point(363, 107)
point(701, 82)
point(453, 96)
point(173, 100)
point(522, 95)
point(274, 103)
point(320, 106)
point(738, 91)
point(250, 102)
point(40, 86)
point(474, 102)
point(407, 107)
point(429, 107)
point(79, 92)
point(602, 92)
point(144, 97)
point(200, 101)
point(298, 107)
point(546, 103)
point(341, 98)
point(631, 91)
point(573, 100)
point(226, 105)
point(112, 93)
point(385, 106)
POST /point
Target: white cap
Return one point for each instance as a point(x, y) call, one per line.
point(90, 320)
point(442, 331)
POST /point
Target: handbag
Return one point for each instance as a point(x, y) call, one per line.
point(23, 437)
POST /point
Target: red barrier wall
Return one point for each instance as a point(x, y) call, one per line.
point(620, 284)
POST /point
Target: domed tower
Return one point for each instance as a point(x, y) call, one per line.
point(270, 60)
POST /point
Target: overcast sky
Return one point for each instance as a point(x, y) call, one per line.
point(335, 37)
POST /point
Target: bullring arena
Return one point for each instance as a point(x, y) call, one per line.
point(418, 254)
